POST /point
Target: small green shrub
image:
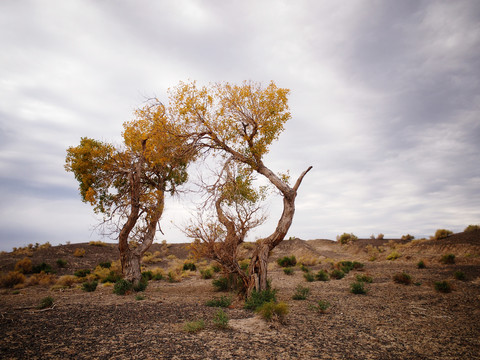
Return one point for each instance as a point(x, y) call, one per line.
point(321, 306)
point(157, 276)
point(421, 264)
point(89, 286)
point(223, 302)
point(346, 238)
point(337, 274)
point(112, 277)
point(358, 287)
point(141, 285)
point(443, 286)
point(407, 237)
point(288, 271)
point(105, 264)
point(46, 268)
point(147, 275)
point(122, 287)
point(221, 284)
point(309, 277)
point(273, 311)
point(322, 275)
point(402, 278)
point(257, 299)
point(206, 273)
point(442, 234)
point(189, 266)
point(139, 297)
point(46, 303)
point(345, 266)
point(221, 319)
point(447, 259)
point(304, 268)
point(459, 275)
point(287, 261)
point(61, 263)
point(301, 293)
point(82, 272)
point(364, 278)
point(194, 326)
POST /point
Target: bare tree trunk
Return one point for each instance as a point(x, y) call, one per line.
point(259, 263)
point(131, 266)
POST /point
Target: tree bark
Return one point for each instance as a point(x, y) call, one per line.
point(259, 263)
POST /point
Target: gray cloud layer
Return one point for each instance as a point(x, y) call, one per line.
point(385, 103)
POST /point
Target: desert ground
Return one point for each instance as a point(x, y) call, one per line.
point(390, 321)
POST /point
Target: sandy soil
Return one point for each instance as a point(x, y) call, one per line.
point(392, 321)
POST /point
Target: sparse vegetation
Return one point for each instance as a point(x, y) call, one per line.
point(322, 275)
point(358, 287)
point(139, 297)
point(459, 275)
point(442, 234)
point(304, 268)
point(301, 293)
point(79, 252)
point(321, 306)
point(337, 274)
point(46, 302)
point(257, 299)
point(189, 266)
point(346, 238)
point(223, 301)
point(221, 319)
point(46, 268)
point(82, 272)
point(443, 286)
point(122, 287)
point(206, 273)
point(472, 228)
point(393, 255)
point(402, 278)
point(24, 266)
point(287, 261)
point(221, 284)
point(364, 278)
point(309, 277)
point(421, 264)
point(12, 279)
point(89, 286)
point(97, 243)
point(447, 259)
point(288, 271)
point(61, 263)
point(408, 237)
point(105, 264)
point(194, 326)
point(273, 311)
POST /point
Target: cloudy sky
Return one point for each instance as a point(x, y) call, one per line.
point(385, 102)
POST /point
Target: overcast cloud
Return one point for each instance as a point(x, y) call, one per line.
point(385, 98)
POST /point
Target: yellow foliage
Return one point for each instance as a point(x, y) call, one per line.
point(79, 252)
point(24, 266)
point(41, 278)
point(67, 281)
